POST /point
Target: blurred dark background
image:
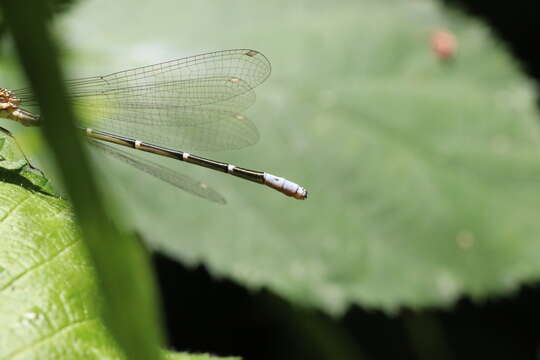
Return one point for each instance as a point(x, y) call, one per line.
point(204, 314)
point(259, 325)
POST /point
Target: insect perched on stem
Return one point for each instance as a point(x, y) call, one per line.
point(193, 102)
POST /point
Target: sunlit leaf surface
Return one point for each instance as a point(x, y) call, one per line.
point(49, 298)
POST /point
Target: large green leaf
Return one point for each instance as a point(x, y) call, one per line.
point(423, 176)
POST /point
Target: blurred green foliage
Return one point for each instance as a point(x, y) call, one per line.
point(52, 8)
point(423, 175)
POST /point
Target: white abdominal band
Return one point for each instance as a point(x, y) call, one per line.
point(285, 186)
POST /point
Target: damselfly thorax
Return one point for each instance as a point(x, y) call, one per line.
point(9, 108)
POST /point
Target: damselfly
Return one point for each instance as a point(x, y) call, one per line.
point(193, 102)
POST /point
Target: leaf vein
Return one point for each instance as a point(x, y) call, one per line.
point(14, 208)
point(36, 266)
point(63, 329)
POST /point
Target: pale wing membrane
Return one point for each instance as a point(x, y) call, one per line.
point(178, 180)
point(165, 104)
point(192, 102)
point(247, 65)
point(226, 131)
point(209, 127)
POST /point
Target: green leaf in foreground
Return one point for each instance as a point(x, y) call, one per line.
point(49, 297)
point(49, 303)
